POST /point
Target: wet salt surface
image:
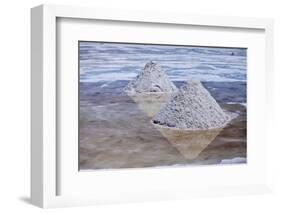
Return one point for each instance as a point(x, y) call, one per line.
point(116, 61)
point(116, 130)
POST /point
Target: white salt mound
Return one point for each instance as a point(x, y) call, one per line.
point(151, 80)
point(192, 107)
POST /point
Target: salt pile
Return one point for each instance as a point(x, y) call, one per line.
point(151, 80)
point(192, 107)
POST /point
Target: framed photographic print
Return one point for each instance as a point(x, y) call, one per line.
point(130, 106)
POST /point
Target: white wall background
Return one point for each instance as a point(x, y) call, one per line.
point(15, 98)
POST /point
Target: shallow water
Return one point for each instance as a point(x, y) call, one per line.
point(116, 130)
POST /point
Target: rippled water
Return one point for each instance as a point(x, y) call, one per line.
point(117, 61)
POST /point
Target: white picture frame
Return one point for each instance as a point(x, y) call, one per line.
point(44, 149)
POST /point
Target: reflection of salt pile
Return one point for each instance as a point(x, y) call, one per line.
point(150, 89)
point(150, 103)
point(151, 80)
point(193, 108)
point(189, 143)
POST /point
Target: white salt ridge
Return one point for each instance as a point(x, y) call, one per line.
point(243, 104)
point(234, 160)
point(151, 80)
point(193, 108)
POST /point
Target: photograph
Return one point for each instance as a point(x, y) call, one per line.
point(161, 105)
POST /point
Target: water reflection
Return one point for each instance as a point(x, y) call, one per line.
point(190, 143)
point(150, 103)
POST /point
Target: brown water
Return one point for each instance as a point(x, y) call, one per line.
point(116, 132)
